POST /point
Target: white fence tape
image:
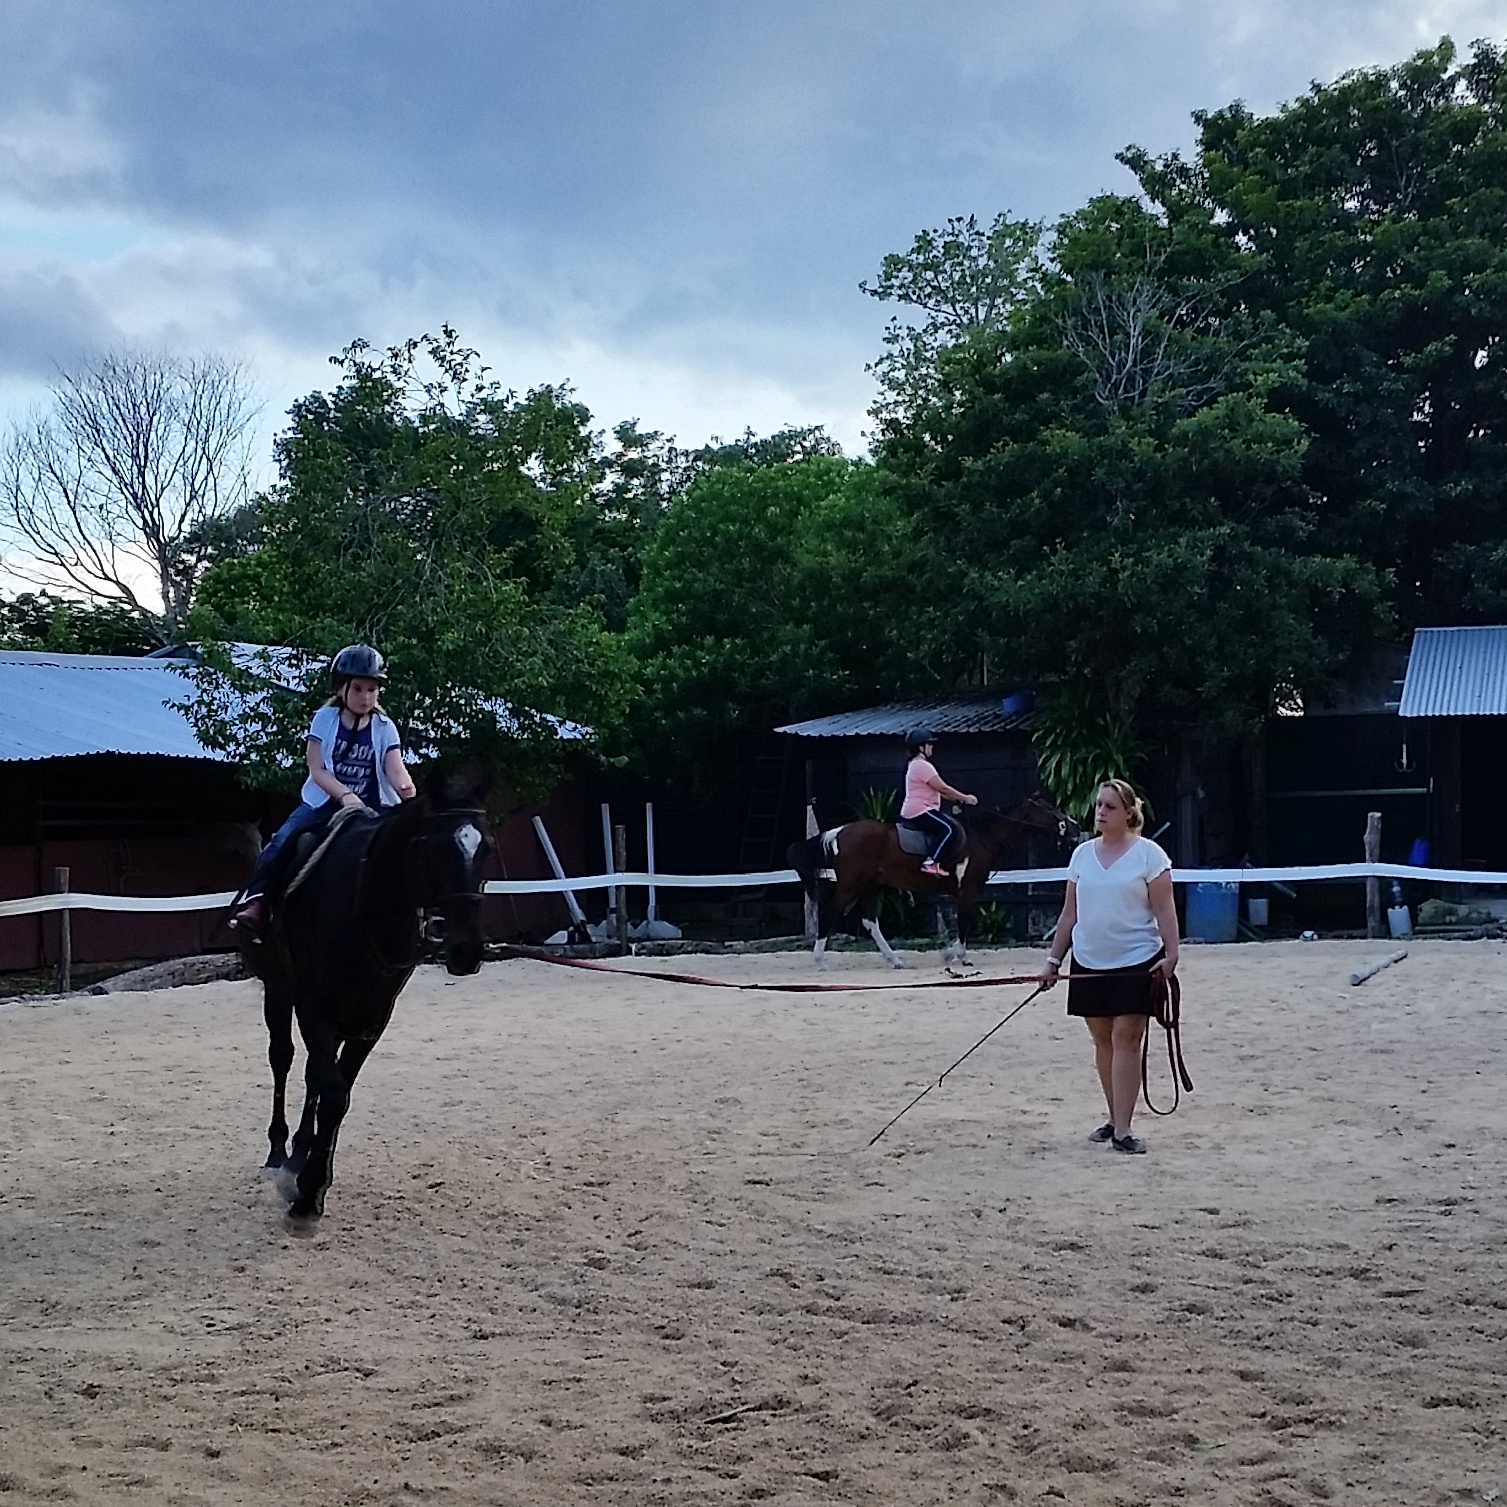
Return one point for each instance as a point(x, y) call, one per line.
point(39, 904)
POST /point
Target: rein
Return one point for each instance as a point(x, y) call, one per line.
point(1167, 1012)
point(508, 950)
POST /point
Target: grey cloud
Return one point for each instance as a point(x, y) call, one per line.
point(47, 320)
point(703, 180)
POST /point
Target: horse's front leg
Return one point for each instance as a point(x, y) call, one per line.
point(966, 911)
point(277, 1011)
point(871, 925)
point(326, 1098)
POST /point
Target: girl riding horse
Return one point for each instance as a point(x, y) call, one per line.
point(925, 790)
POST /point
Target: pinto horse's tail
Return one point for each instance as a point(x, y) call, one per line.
point(810, 856)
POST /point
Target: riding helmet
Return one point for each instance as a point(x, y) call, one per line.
point(917, 737)
point(357, 660)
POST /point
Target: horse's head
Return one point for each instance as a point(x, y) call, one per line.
point(1040, 812)
point(1036, 814)
point(450, 851)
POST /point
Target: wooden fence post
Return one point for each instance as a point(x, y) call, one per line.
point(619, 894)
point(1375, 921)
point(63, 983)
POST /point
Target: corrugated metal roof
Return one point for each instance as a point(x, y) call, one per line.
point(58, 706)
point(1456, 672)
point(979, 715)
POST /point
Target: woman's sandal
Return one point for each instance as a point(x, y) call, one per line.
point(1106, 1132)
point(1128, 1143)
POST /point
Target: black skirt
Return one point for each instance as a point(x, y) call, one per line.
point(1111, 991)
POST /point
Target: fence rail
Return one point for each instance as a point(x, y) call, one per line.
point(32, 905)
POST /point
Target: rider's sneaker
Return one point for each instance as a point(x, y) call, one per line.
point(251, 918)
point(934, 869)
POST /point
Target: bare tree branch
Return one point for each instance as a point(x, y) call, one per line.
point(111, 493)
point(1134, 335)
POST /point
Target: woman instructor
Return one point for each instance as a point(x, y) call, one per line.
point(1120, 921)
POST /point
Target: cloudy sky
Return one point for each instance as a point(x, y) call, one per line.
point(668, 204)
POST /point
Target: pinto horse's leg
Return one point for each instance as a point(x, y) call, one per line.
point(871, 925)
point(827, 911)
point(277, 1011)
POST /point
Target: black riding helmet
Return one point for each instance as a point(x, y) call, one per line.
point(917, 738)
point(357, 660)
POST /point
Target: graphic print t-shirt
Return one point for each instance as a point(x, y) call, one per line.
point(355, 763)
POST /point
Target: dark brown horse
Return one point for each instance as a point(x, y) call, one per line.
point(864, 855)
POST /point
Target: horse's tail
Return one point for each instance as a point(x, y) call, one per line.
point(810, 856)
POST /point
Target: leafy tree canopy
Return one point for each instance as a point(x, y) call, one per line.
point(770, 591)
point(40, 620)
point(422, 509)
point(1369, 218)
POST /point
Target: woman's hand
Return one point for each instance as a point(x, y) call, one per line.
point(1166, 967)
point(1047, 978)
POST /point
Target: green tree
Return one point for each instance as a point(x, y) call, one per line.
point(1370, 220)
point(421, 508)
point(1117, 508)
point(40, 620)
point(770, 591)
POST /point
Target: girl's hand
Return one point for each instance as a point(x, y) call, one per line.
point(970, 800)
point(350, 798)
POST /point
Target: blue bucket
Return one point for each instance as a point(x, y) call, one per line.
point(1212, 912)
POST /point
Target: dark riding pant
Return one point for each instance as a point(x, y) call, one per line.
point(942, 828)
point(271, 865)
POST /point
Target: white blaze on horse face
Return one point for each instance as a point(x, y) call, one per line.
point(468, 839)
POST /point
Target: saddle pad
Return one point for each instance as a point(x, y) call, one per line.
point(916, 840)
point(341, 819)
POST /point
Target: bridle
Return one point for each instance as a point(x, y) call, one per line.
point(433, 826)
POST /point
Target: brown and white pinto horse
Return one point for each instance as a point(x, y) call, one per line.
point(864, 855)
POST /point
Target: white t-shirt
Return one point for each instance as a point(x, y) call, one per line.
point(1116, 927)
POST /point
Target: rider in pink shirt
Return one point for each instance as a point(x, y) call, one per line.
point(925, 790)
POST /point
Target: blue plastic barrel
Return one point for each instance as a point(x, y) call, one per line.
point(1212, 912)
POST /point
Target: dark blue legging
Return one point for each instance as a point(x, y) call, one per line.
point(304, 816)
point(943, 828)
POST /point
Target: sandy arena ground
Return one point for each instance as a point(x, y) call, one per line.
point(604, 1240)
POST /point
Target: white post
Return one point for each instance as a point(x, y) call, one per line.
point(812, 830)
point(571, 903)
point(613, 891)
point(649, 833)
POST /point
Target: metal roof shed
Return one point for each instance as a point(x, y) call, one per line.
point(1456, 672)
point(58, 706)
point(1455, 691)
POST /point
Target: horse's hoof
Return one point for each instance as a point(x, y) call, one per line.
point(300, 1224)
point(898, 963)
point(287, 1182)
